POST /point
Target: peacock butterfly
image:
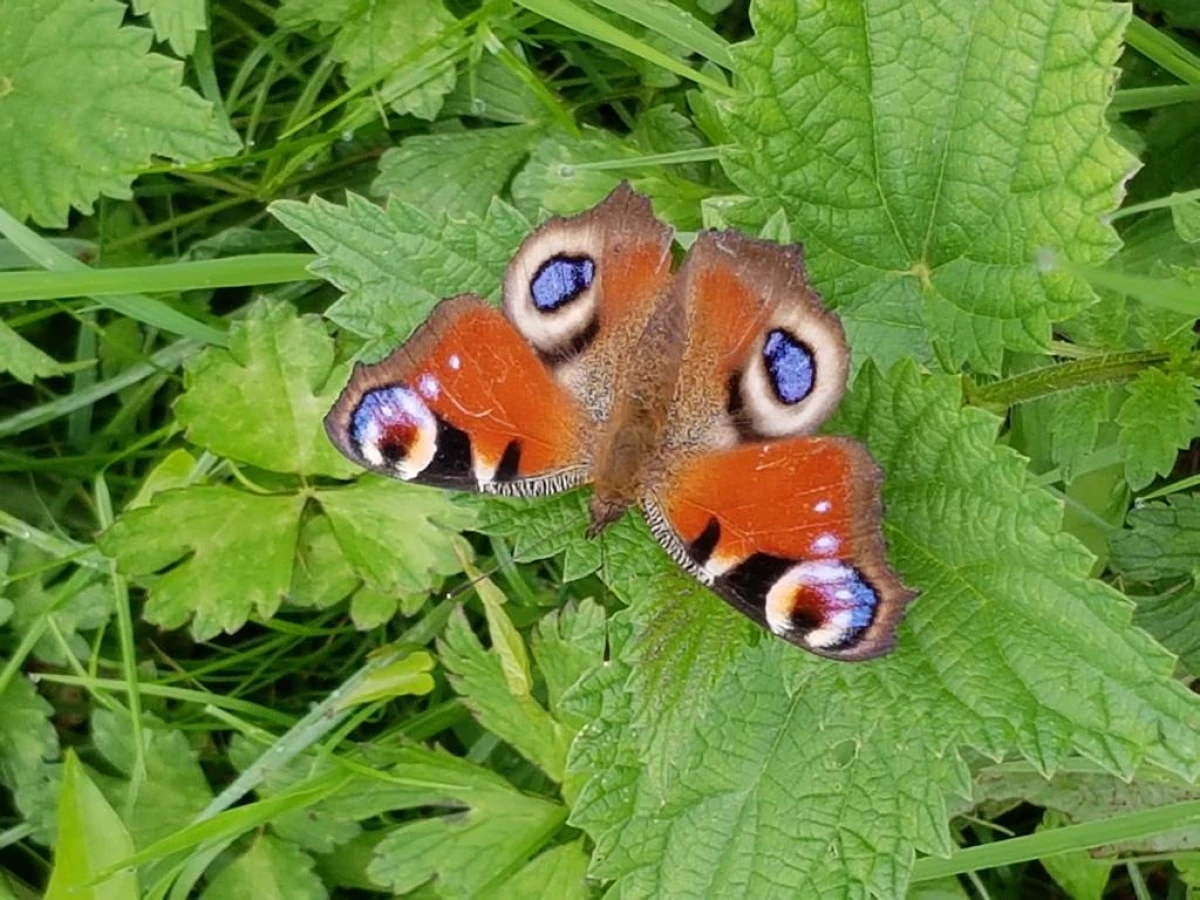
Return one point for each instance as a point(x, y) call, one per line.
point(692, 394)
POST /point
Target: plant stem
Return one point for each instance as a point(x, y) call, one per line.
point(1048, 380)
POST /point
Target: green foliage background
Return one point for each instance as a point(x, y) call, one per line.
point(231, 666)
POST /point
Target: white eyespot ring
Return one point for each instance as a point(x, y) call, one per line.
point(796, 373)
point(552, 326)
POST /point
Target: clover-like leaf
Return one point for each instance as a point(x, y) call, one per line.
point(517, 718)
point(115, 105)
point(1011, 647)
point(228, 554)
point(398, 538)
point(261, 401)
point(394, 264)
point(925, 152)
point(219, 554)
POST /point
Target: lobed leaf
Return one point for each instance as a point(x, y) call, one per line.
point(393, 265)
point(926, 153)
point(1158, 418)
point(458, 172)
point(724, 765)
point(261, 401)
point(175, 21)
point(116, 105)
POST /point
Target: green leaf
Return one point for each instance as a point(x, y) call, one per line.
point(458, 172)
point(1162, 540)
point(269, 869)
point(1010, 648)
point(1074, 423)
point(1157, 419)
point(175, 21)
point(560, 178)
point(34, 604)
point(171, 791)
point(91, 837)
point(115, 106)
point(28, 745)
point(398, 538)
point(1085, 793)
point(234, 553)
point(231, 554)
point(924, 174)
point(560, 872)
point(25, 361)
point(1173, 619)
point(477, 675)
point(394, 265)
point(545, 528)
point(568, 643)
point(1186, 217)
point(406, 676)
point(322, 576)
point(261, 401)
point(492, 829)
point(493, 91)
point(373, 35)
point(1076, 872)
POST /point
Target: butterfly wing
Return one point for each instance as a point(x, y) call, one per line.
point(788, 532)
point(465, 403)
point(581, 290)
point(783, 525)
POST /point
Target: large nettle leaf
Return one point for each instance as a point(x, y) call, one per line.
point(115, 104)
point(217, 554)
point(925, 152)
point(395, 264)
point(726, 765)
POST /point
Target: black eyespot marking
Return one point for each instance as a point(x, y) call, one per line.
point(791, 367)
point(702, 547)
point(560, 280)
point(451, 463)
point(752, 578)
point(510, 462)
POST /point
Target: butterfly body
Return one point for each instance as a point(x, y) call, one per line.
point(690, 393)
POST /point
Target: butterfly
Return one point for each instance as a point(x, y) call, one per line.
point(691, 393)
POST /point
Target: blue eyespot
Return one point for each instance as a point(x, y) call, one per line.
point(790, 367)
point(560, 280)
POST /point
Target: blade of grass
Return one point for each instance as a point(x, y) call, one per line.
point(568, 14)
point(1117, 829)
point(200, 698)
point(676, 157)
point(675, 24)
point(120, 595)
point(1175, 199)
point(1163, 49)
point(234, 822)
point(143, 309)
point(1130, 99)
point(165, 359)
point(207, 274)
